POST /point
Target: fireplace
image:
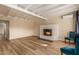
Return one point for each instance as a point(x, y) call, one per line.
point(47, 32)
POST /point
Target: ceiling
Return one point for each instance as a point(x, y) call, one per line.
point(49, 10)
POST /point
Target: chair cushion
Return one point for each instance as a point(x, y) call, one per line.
point(68, 38)
point(67, 50)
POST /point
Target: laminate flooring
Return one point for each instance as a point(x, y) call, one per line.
point(31, 46)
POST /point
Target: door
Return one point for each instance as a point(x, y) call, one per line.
point(4, 30)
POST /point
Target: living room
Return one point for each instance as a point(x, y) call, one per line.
point(36, 29)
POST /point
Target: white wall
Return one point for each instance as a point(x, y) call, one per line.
point(19, 27)
point(66, 24)
point(23, 28)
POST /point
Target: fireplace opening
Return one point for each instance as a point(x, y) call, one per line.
point(47, 32)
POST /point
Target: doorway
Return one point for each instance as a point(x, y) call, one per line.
point(4, 30)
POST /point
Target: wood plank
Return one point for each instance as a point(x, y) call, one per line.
point(31, 46)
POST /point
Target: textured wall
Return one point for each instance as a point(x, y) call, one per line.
point(66, 24)
point(19, 27)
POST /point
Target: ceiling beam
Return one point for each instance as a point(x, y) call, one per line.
point(25, 11)
point(28, 6)
point(62, 7)
point(47, 8)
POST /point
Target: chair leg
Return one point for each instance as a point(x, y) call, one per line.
point(69, 41)
point(65, 40)
point(75, 41)
point(61, 53)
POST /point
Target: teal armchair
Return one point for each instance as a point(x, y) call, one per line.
point(71, 51)
point(71, 37)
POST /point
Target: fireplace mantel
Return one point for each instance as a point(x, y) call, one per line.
point(54, 34)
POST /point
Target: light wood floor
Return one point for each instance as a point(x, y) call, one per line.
point(30, 46)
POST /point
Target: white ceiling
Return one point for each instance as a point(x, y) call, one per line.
point(49, 10)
